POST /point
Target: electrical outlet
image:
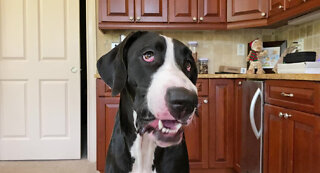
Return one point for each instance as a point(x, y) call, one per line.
point(114, 44)
point(240, 49)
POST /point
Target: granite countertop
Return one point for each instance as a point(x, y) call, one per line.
point(305, 77)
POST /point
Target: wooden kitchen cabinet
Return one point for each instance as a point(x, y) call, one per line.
point(276, 7)
point(196, 135)
point(247, 10)
point(133, 11)
point(197, 11)
point(238, 89)
point(221, 111)
point(291, 141)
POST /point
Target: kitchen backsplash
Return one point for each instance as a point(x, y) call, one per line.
point(308, 32)
point(220, 47)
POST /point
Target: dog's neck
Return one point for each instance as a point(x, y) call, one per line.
point(142, 151)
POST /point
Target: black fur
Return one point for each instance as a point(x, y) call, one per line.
point(125, 72)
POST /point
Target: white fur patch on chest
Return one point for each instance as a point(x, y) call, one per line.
point(142, 151)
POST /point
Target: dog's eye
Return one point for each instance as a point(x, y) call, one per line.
point(188, 66)
point(148, 56)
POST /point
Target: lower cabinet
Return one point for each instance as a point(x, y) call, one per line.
point(291, 141)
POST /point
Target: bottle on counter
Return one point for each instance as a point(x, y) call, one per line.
point(203, 65)
point(193, 47)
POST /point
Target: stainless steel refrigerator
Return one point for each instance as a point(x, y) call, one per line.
point(252, 127)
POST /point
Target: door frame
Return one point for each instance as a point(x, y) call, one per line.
point(91, 29)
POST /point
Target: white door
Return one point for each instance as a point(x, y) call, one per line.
point(39, 79)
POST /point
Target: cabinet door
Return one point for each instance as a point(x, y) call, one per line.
point(275, 153)
point(246, 10)
point(276, 7)
point(116, 10)
point(151, 11)
point(212, 11)
point(294, 3)
point(221, 111)
point(183, 11)
point(107, 108)
point(196, 135)
point(237, 123)
point(304, 142)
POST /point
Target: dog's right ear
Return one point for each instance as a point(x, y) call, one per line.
point(112, 66)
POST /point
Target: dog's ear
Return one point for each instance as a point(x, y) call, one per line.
point(112, 66)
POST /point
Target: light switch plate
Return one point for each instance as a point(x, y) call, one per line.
point(240, 49)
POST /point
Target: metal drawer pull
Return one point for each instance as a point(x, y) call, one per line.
point(205, 101)
point(286, 116)
point(286, 95)
point(280, 114)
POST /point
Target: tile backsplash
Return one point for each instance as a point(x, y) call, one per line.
point(220, 47)
point(308, 32)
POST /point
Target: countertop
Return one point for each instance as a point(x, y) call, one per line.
point(305, 77)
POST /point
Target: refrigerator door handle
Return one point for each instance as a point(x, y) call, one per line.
point(252, 121)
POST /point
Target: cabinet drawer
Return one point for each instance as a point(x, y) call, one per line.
point(202, 86)
point(298, 95)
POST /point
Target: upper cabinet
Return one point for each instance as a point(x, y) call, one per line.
point(199, 14)
point(276, 7)
point(133, 11)
point(197, 11)
point(247, 10)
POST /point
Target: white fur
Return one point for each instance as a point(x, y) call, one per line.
point(142, 151)
point(168, 75)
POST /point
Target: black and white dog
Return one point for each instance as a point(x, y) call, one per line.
point(156, 77)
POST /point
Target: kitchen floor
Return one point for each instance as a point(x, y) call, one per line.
point(65, 166)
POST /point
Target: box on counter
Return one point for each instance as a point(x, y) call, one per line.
point(229, 69)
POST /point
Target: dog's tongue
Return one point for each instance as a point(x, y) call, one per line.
point(169, 123)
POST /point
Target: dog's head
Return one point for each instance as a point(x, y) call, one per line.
point(160, 75)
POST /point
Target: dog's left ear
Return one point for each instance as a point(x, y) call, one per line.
point(112, 66)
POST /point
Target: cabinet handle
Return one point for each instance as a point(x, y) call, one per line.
point(280, 114)
point(239, 83)
point(280, 6)
point(131, 18)
point(201, 18)
point(194, 19)
point(205, 101)
point(304, 0)
point(286, 116)
point(263, 14)
point(286, 95)
point(138, 18)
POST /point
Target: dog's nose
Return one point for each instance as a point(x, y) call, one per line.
point(181, 102)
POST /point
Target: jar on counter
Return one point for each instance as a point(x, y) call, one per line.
point(203, 65)
point(193, 47)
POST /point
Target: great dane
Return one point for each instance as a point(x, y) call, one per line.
point(155, 76)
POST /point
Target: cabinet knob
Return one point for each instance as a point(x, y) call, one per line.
point(304, 0)
point(263, 14)
point(280, 7)
point(205, 101)
point(138, 18)
point(286, 116)
point(286, 94)
point(280, 114)
point(239, 83)
point(201, 18)
point(194, 19)
point(131, 18)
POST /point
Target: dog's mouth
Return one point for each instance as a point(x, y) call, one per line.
point(165, 132)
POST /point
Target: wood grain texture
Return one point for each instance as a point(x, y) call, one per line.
point(203, 87)
point(116, 10)
point(246, 10)
point(305, 95)
point(196, 135)
point(212, 11)
point(221, 111)
point(151, 11)
point(237, 123)
point(183, 11)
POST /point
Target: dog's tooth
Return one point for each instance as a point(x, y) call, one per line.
point(167, 130)
point(163, 130)
point(178, 126)
point(160, 125)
